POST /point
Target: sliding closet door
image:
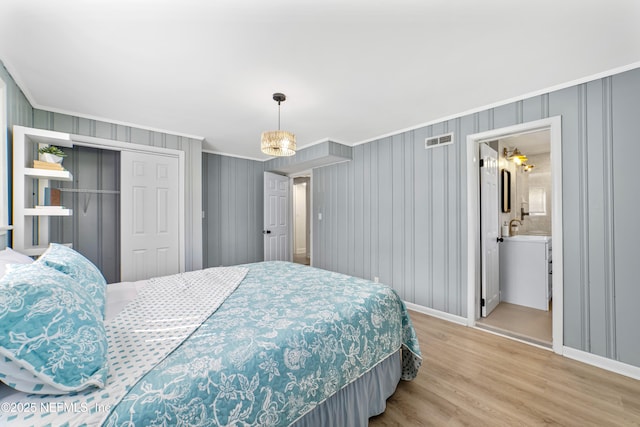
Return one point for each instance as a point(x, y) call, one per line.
point(149, 216)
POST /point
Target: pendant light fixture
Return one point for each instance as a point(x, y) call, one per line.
point(515, 156)
point(278, 142)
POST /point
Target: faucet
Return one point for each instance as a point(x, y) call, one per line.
point(522, 212)
point(511, 224)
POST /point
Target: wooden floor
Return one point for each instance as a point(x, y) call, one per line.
point(521, 322)
point(471, 377)
point(301, 259)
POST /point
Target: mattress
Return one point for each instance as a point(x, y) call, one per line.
point(291, 345)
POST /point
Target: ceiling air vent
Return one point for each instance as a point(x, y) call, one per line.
point(437, 141)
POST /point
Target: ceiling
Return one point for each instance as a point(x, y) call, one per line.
point(530, 143)
point(352, 70)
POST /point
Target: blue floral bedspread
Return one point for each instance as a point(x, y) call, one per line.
point(288, 338)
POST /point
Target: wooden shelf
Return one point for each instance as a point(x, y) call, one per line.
point(48, 211)
point(48, 174)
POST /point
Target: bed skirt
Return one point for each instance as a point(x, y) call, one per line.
point(356, 403)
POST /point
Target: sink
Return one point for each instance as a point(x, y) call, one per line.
point(528, 238)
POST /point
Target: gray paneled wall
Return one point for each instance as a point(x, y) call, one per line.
point(233, 202)
point(94, 228)
point(19, 112)
point(398, 211)
point(191, 147)
point(388, 214)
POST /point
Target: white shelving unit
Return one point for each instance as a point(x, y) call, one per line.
point(31, 223)
point(48, 174)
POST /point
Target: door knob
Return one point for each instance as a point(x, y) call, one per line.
point(266, 231)
point(500, 239)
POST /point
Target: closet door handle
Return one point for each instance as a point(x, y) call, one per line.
point(266, 231)
point(500, 239)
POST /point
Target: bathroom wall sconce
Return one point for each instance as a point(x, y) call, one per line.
point(515, 156)
point(527, 168)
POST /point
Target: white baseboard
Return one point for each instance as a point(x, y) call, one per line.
point(579, 355)
point(436, 313)
point(602, 362)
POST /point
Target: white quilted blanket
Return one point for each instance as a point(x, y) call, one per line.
point(166, 312)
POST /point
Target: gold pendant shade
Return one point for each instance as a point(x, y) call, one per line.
point(278, 142)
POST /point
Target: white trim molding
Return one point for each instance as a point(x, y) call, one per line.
point(436, 313)
point(571, 83)
point(603, 362)
point(554, 125)
point(571, 353)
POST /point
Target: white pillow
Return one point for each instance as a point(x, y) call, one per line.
point(9, 256)
point(51, 329)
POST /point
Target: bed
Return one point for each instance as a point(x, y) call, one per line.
point(271, 343)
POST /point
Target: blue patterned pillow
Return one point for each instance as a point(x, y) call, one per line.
point(50, 329)
point(70, 262)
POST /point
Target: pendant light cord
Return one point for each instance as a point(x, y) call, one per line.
point(278, 115)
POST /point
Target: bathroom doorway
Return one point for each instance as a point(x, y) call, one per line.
point(524, 309)
point(529, 211)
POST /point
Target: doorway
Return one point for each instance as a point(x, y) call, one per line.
point(277, 217)
point(521, 209)
point(131, 213)
point(475, 255)
point(287, 228)
point(302, 220)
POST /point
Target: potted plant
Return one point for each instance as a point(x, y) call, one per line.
point(51, 154)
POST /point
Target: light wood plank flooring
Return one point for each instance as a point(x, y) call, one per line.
point(520, 322)
point(471, 377)
point(301, 259)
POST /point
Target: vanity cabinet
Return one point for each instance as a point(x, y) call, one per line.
point(526, 271)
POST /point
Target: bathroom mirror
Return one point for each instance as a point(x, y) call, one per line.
point(506, 190)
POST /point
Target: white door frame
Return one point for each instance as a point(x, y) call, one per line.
point(108, 144)
point(309, 173)
point(4, 166)
point(554, 125)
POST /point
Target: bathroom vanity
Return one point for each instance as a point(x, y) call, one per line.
point(525, 271)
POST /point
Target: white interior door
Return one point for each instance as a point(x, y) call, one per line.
point(489, 227)
point(150, 225)
point(276, 218)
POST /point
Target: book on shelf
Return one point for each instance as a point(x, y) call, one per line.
point(38, 164)
point(52, 196)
